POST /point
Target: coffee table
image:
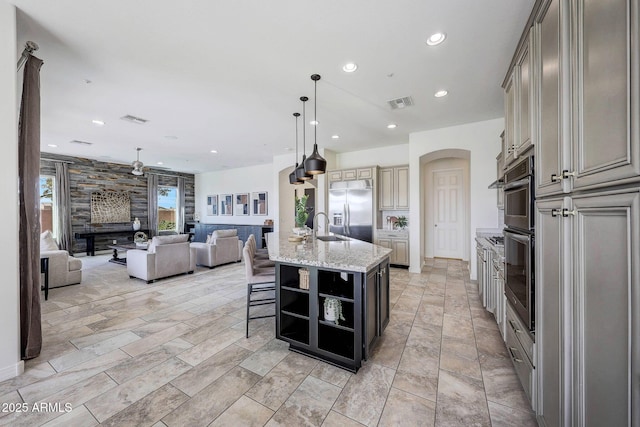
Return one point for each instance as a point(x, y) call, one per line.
point(123, 247)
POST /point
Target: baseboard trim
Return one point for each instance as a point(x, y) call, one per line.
point(11, 371)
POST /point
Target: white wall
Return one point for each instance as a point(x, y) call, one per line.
point(10, 363)
point(240, 180)
point(384, 156)
point(482, 139)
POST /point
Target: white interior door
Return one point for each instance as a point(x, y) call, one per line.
point(448, 205)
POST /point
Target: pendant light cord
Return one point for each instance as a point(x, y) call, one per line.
point(296, 115)
point(315, 111)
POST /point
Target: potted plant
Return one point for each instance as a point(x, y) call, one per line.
point(301, 212)
point(333, 310)
point(402, 222)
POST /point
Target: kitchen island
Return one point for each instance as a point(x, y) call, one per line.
point(348, 272)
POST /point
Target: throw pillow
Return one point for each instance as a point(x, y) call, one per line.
point(47, 242)
point(163, 240)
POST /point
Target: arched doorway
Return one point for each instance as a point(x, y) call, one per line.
point(444, 204)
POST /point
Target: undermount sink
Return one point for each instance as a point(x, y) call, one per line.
point(331, 238)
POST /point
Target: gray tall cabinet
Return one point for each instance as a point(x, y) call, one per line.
point(586, 132)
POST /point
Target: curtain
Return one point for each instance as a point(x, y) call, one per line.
point(152, 206)
point(180, 207)
point(29, 182)
point(63, 207)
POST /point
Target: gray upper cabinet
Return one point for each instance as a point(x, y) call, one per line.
point(547, 45)
point(606, 118)
point(524, 109)
point(586, 80)
point(509, 140)
point(393, 188)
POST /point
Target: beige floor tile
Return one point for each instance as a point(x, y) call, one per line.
point(335, 419)
point(213, 400)
point(156, 339)
point(461, 401)
point(149, 409)
point(424, 385)
point(263, 360)
point(276, 386)
point(331, 374)
point(209, 347)
point(503, 416)
point(364, 395)
point(244, 412)
point(403, 408)
point(308, 405)
point(78, 417)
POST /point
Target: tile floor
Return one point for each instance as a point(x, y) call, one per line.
point(173, 353)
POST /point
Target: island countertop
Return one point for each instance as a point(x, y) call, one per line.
point(348, 255)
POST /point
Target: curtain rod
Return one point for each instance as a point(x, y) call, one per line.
point(55, 160)
point(165, 174)
point(29, 48)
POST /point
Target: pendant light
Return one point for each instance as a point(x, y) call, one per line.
point(292, 176)
point(315, 164)
point(301, 172)
point(137, 164)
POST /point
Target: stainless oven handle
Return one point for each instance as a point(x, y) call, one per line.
point(516, 184)
point(519, 237)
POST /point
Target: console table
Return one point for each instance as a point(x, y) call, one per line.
point(91, 235)
point(202, 230)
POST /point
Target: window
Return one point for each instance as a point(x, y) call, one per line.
point(48, 209)
point(167, 208)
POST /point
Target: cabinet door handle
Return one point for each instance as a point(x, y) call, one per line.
point(513, 356)
point(566, 174)
point(556, 212)
point(556, 178)
point(566, 212)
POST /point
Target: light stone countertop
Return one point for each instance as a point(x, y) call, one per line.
point(348, 255)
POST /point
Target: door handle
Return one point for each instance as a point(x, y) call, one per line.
point(513, 356)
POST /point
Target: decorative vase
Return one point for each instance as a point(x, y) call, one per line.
point(136, 224)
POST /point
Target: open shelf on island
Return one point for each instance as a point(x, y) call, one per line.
point(295, 302)
point(347, 313)
point(335, 340)
point(289, 276)
point(336, 283)
point(294, 328)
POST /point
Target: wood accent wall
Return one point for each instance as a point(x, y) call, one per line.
point(87, 176)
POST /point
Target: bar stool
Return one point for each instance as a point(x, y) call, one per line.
point(258, 280)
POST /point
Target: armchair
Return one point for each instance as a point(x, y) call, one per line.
point(165, 256)
point(63, 269)
point(221, 247)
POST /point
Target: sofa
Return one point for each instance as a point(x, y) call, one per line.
point(221, 247)
point(165, 256)
point(63, 269)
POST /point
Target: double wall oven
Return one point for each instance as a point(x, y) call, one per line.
point(519, 239)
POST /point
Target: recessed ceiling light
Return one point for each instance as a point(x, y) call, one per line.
point(392, 126)
point(87, 81)
point(350, 67)
point(440, 93)
point(436, 39)
point(97, 122)
point(314, 122)
point(160, 163)
point(335, 136)
point(52, 145)
point(214, 151)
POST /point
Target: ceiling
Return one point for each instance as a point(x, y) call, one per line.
point(228, 75)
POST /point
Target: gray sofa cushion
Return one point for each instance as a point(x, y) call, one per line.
point(163, 240)
point(224, 233)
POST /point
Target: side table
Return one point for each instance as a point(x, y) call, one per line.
point(44, 268)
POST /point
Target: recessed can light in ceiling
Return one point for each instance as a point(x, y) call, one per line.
point(335, 136)
point(314, 123)
point(436, 38)
point(349, 67)
point(392, 126)
point(214, 151)
point(161, 163)
point(52, 145)
point(97, 122)
point(440, 93)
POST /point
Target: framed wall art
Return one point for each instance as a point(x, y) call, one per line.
point(226, 204)
point(259, 203)
point(242, 204)
point(212, 205)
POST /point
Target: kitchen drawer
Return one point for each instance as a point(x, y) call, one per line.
point(393, 234)
point(524, 368)
point(515, 327)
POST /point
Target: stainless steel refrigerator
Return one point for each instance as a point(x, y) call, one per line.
point(351, 209)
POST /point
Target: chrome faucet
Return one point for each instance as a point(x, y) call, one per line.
point(315, 230)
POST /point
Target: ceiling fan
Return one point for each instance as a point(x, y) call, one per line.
point(137, 164)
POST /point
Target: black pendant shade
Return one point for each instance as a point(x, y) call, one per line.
point(315, 164)
point(293, 179)
point(301, 173)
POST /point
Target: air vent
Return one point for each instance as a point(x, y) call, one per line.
point(406, 101)
point(134, 119)
point(75, 141)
